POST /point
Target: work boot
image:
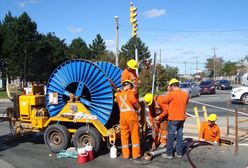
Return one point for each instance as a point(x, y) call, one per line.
point(165, 156)
point(178, 155)
point(162, 145)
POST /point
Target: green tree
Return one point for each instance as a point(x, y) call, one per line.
point(97, 48)
point(128, 51)
point(229, 68)
point(58, 50)
point(78, 49)
point(108, 56)
point(214, 65)
point(1, 40)
point(20, 35)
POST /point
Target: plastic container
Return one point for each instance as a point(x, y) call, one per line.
point(113, 152)
point(89, 150)
point(82, 156)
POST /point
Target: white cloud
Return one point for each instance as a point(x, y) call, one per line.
point(74, 29)
point(23, 4)
point(153, 13)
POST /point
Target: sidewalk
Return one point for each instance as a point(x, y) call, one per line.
point(5, 101)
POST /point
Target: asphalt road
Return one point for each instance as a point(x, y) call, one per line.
point(215, 103)
point(30, 151)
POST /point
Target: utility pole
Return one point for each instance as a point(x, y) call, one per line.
point(196, 64)
point(117, 41)
point(160, 57)
point(158, 82)
point(214, 57)
point(185, 63)
point(154, 72)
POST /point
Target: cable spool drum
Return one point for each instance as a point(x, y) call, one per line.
point(86, 80)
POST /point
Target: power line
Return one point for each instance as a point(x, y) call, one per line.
point(180, 62)
point(192, 31)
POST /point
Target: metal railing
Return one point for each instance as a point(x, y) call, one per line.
point(239, 132)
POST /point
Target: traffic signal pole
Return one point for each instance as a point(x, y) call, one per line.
point(117, 42)
point(134, 25)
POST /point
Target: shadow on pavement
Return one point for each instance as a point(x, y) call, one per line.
point(10, 140)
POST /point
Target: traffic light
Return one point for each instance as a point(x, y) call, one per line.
point(133, 19)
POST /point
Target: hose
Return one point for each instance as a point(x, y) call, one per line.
point(193, 145)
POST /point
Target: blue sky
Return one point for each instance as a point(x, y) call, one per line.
point(184, 31)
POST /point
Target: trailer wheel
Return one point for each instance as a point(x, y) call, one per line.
point(89, 136)
point(57, 137)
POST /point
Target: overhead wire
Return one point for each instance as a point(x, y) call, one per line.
point(191, 31)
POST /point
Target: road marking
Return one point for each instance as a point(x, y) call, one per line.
point(221, 108)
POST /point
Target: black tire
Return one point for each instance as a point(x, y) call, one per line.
point(244, 98)
point(85, 136)
point(57, 137)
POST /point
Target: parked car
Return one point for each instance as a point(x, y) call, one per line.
point(223, 84)
point(207, 87)
point(240, 94)
point(191, 88)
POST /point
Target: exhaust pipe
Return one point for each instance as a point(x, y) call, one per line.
point(148, 155)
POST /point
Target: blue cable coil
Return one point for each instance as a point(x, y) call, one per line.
point(86, 80)
point(112, 72)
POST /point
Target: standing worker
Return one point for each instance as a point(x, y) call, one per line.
point(129, 124)
point(210, 131)
point(130, 74)
point(158, 118)
point(177, 101)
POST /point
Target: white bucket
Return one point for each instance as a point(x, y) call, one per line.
point(81, 150)
point(90, 151)
point(113, 152)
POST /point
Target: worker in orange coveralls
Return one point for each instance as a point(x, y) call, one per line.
point(158, 115)
point(129, 124)
point(209, 131)
point(130, 74)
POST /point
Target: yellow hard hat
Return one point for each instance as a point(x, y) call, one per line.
point(127, 81)
point(132, 64)
point(172, 81)
point(148, 98)
point(212, 117)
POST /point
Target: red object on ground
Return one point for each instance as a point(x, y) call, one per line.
point(90, 152)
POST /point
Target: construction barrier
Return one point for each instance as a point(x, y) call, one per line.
point(198, 121)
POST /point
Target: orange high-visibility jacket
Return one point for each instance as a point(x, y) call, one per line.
point(129, 124)
point(177, 101)
point(209, 133)
point(158, 108)
point(126, 100)
point(128, 75)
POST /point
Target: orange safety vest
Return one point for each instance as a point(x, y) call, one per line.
point(126, 100)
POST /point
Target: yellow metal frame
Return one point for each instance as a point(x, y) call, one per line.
point(197, 118)
point(29, 104)
point(80, 108)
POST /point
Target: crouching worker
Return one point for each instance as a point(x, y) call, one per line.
point(129, 124)
point(209, 130)
point(158, 119)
